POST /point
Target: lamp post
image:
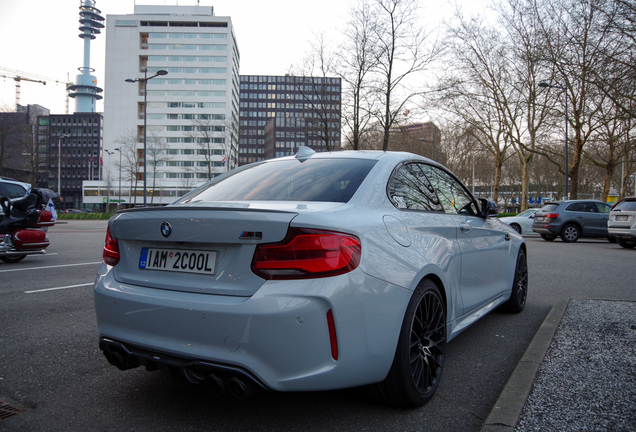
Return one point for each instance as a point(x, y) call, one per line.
point(567, 165)
point(432, 142)
point(145, 80)
point(119, 197)
point(110, 153)
point(59, 164)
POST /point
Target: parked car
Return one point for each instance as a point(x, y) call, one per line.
point(522, 223)
point(12, 188)
point(572, 219)
point(311, 272)
point(622, 222)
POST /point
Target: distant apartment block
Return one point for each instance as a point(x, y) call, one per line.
point(78, 137)
point(191, 113)
point(280, 113)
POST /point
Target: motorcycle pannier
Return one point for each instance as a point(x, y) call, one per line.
point(29, 239)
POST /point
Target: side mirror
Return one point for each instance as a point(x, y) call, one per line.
point(488, 208)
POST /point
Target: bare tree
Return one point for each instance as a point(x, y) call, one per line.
point(213, 139)
point(311, 79)
point(575, 43)
point(357, 61)
point(402, 52)
point(131, 162)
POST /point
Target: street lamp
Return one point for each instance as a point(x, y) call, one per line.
point(119, 198)
point(145, 80)
point(110, 153)
point(567, 166)
point(432, 142)
point(59, 164)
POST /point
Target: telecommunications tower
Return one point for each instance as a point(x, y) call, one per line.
point(85, 90)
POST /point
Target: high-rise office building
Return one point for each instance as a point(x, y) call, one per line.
point(280, 113)
point(171, 88)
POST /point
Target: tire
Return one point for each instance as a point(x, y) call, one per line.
point(516, 227)
point(627, 244)
point(519, 293)
point(570, 233)
point(419, 358)
point(548, 237)
point(12, 258)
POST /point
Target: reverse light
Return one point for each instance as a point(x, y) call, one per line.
point(307, 253)
point(111, 250)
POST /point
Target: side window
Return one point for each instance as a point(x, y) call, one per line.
point(603, 208)
point(453, 196)
point(14, 191)
point(409, 189)
point(578, 207)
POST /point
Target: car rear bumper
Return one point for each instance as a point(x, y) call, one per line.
point(622, 232)
point(279, 337)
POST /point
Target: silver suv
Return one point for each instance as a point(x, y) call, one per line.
point(572, 219)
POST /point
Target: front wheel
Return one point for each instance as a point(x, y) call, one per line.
point(570, 233)
point(421, 350)
point(519, 293)
point(12, 258)
point(516, 227)
point(627, 244)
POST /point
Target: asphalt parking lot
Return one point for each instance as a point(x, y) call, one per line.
point(53, 374)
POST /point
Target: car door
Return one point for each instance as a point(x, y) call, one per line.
point(484, 244)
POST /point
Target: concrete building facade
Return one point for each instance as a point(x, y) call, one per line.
point(191, 109)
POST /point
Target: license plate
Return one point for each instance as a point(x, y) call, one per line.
point(621, 218)
point(178, 260)
point(539, 218)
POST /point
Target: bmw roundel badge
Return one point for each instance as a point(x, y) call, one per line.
point(166, 229)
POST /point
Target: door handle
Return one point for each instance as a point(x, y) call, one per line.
point(507, 237)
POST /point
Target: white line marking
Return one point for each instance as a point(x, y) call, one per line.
point(59, 288)
point(49, 267)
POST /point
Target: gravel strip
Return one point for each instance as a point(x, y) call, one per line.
point(587, 380)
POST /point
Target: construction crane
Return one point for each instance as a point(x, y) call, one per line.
point(19, 76)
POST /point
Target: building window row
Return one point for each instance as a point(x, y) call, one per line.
point(197, 82)
point(287, 79)
point(201, 59)
point(181, 116)
point(157, 35)
point(186, 47)
point(190, 70)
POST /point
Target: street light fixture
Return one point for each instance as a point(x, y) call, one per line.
point(145, 80)
point(432, 142)
point(567, 166)
point(59, 164)
point(119, 197)
point(110, 153)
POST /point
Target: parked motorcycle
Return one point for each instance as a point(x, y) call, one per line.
point(24, 225)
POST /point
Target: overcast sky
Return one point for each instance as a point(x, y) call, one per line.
point(39, 38)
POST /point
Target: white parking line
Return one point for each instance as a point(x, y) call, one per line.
point(59, 288)
point(49, 267)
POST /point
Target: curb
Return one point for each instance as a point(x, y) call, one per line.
point(506, 412)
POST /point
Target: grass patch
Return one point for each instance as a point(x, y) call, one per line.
point(84, 216)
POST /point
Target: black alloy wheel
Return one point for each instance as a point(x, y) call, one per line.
point(419, 359)
point(516, 227)
point(519, 293)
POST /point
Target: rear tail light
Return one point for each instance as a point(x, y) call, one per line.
point(552, 215)
point(111, 249)
point(306, 253)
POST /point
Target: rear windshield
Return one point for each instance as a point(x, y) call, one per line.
point(626, 206)
point(331, 180)
point(549, 207)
